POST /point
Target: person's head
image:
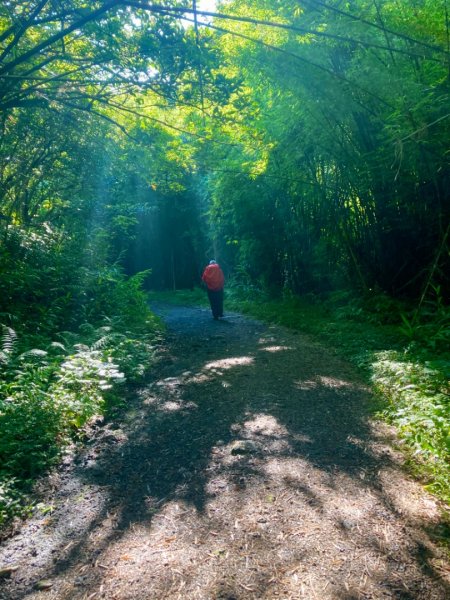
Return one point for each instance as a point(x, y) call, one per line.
point(212, 262)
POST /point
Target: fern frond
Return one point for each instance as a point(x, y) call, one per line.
point(58, 345)
point(33, 353)
point(104, 330)
point(81, 347)
point(107, 340)
point(87, 328)
point(68, 337)
point(9, 338)
point(114, 321)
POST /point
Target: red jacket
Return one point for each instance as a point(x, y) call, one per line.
point(213, 277)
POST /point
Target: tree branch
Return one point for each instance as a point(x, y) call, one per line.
point(22, 29)
point(92, 16)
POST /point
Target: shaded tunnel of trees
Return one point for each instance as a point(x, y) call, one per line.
point(305, 145)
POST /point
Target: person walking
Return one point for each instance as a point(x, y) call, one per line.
point(214, 281)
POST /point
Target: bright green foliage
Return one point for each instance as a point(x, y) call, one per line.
point(80, 382)
point(74, 329)
point(82, 55)
point(339, 170)
point(11, 501)
point(47, 395)
point(419, 395)
point(30, 421)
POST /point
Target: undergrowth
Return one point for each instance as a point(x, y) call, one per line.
point(68, 343)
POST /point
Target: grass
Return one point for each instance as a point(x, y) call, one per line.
point(194, 297)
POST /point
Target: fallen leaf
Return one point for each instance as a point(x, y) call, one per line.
point(7, 571)
point(44, 584)
point(169, 540)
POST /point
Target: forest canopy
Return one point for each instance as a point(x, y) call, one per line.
point(304, 143)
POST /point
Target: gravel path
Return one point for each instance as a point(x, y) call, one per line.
point(248, 469)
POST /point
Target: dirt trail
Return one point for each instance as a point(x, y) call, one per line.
point(249, 469)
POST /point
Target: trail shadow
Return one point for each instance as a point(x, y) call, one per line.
point(232, 404)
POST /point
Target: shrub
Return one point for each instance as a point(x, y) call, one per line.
point(12, 501)
point(72, 334)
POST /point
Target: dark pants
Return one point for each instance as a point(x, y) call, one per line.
point(216, 301)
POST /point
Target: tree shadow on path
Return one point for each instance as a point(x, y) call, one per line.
point(250, 468)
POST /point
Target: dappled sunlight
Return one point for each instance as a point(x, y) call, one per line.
point(305, 385)
point(332, 382)
point(200, 378)
point(411, 502)
point(276, 348)
point(324, 381)
point(259, 432)
point(266, 425)
point(301, 478)
point(171, 406)
point(279, 527)
point(250, 477)
point(173, 403)
point(302, 438)
point(266, 339)
point(173, 386)
point(170, 383)
point(230, 363)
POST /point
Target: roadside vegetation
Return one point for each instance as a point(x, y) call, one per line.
point(66, 352)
